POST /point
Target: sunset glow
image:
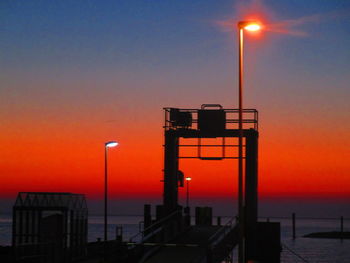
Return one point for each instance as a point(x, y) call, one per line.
point(106, 72)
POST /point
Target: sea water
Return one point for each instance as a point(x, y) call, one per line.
point(294, 250)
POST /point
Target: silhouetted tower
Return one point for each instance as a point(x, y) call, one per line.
point(212, 121)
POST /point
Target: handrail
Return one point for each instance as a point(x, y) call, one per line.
point(250, 116)
point(222, 232)
point(204, 106)
point(152, 227)
point(209, 246)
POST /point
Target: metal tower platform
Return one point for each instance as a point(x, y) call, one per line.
point(171, 237)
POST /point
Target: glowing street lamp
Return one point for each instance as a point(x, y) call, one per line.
point(249, 26)
point(188, 179)
point(109, 144)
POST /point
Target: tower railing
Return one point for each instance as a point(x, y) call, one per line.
point(189, 118)
point(210, 126)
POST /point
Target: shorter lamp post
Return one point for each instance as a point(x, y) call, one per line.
point(107, 145)
point(188, 179)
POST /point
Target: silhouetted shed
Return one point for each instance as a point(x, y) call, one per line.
point(49, 227)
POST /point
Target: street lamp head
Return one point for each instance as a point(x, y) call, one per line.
point(252, 27)
point(249, 25)
point(111, 144)
point(188, 178)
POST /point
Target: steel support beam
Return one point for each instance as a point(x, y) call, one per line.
point(171, 167)
point(251, 195)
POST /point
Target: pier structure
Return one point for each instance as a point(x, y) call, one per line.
point(171, 237)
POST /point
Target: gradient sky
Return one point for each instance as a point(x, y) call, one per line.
point(74, 74)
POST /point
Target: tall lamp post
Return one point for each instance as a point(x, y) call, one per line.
point(188, 179)
point(107, 145)
point(250, 26)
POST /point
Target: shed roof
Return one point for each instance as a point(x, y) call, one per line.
point(49, 200)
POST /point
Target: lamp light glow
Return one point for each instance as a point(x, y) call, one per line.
point(188, 178)
point(252, 27)
point(111, 144)
point(249, 25)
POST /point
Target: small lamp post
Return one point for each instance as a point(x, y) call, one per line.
point(188, 179)
point(107, 145)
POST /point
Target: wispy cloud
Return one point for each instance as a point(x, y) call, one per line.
point(257, 10)
point(293, 26)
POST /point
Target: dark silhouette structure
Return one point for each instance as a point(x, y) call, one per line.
point(52, 227)
point(205, 242)
point(49, 227)
point(212, 121)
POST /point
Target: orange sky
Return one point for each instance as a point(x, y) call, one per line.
point(73, 78)
point(45, 156)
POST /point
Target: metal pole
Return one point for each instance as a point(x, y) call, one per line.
point(341, 227)
point(240, 148)
point(105, 197)
point(293, 223)
point(188, 193)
